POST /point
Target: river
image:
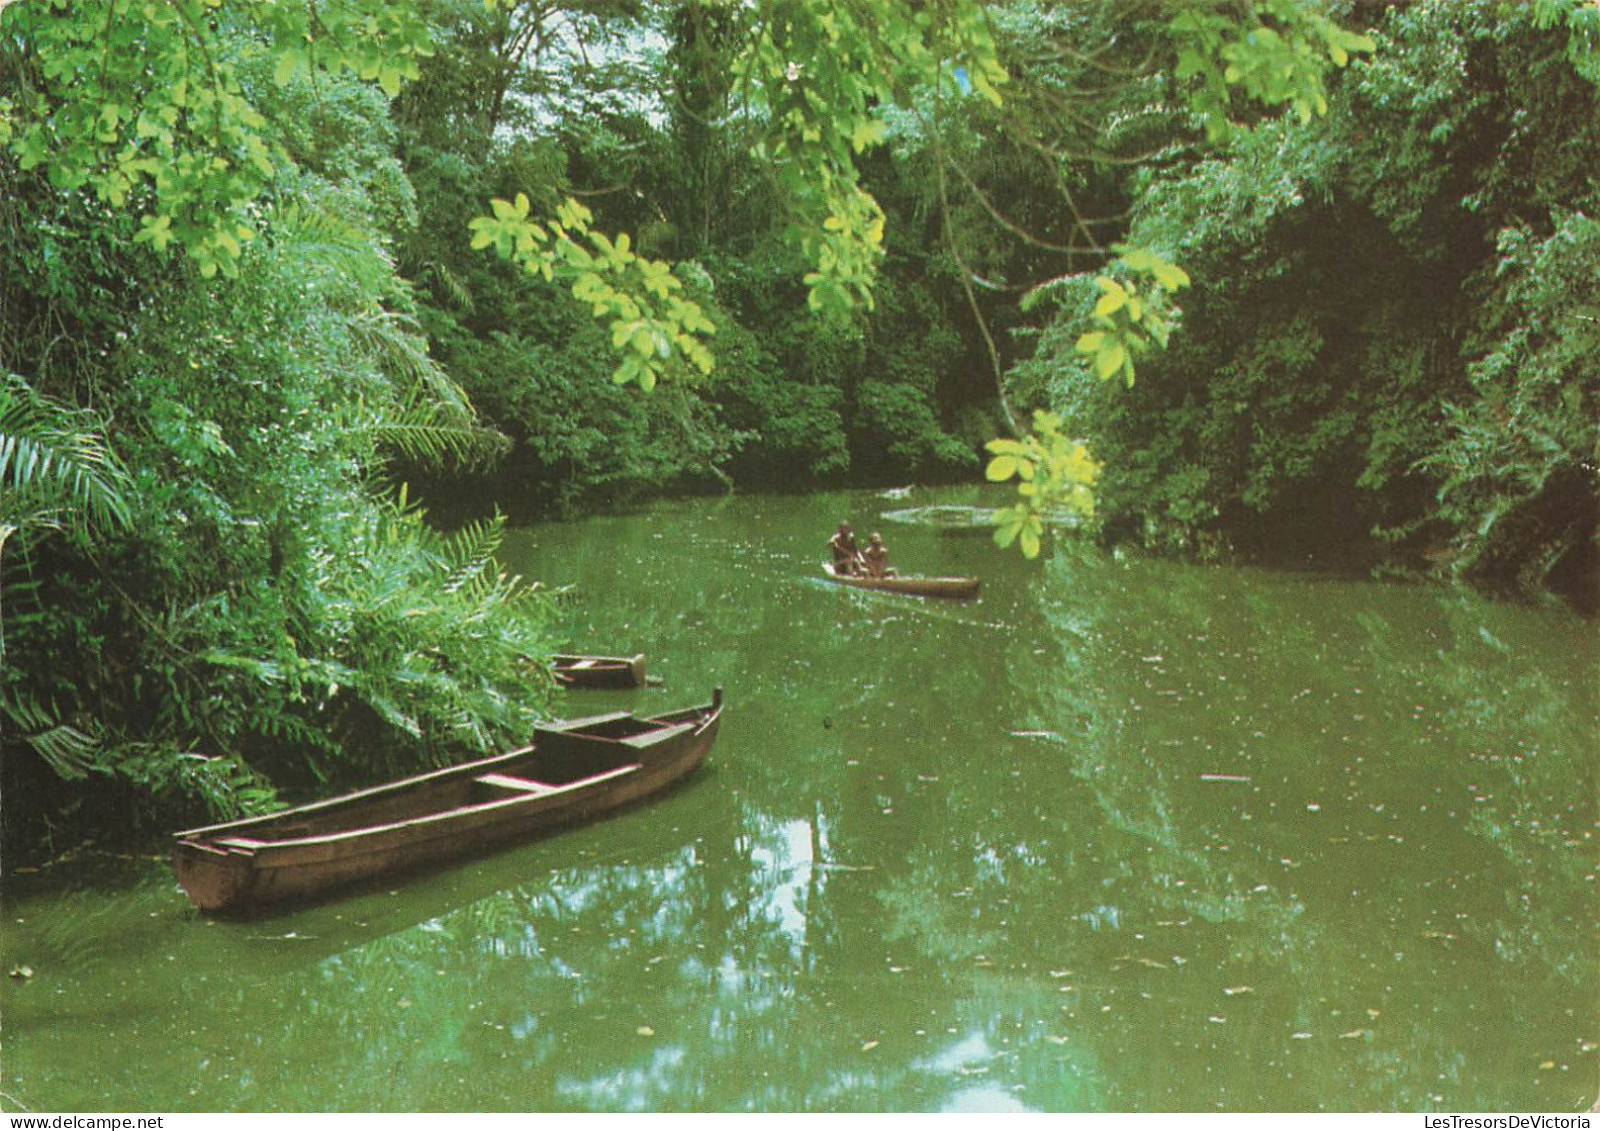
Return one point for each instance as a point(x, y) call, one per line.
point(1121, 835)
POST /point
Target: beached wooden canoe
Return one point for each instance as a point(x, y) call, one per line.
point(958, 588)
point(575, 771)
point(600, 671)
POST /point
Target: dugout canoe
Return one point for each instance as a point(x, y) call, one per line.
point(600, 671)
point(574, 771)
point(956, 588)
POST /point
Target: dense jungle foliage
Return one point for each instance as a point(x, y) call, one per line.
point(251, 312)
point(1393, 335)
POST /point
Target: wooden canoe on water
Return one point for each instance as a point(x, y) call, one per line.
point(957, 588)
point(600, 671)
point(575, 771)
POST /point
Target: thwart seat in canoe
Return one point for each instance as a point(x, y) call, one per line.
point(958, 588)
point(574, 771)
point(600, 671)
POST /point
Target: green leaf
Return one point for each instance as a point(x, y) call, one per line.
point(1110, 359)
point(869, 131)
point(290, 63)
point(1110, 303)
point(1001, 468)
point(1170, 276)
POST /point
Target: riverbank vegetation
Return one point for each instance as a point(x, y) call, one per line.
point(1294, 273)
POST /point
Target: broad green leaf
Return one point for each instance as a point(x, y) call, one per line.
point(1110, 359)
point(1170, 276)
point(1001, 468)
point(1110, 303)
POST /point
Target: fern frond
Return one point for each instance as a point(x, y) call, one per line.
point(52, 460)
point(470, 551)
point(68, 751)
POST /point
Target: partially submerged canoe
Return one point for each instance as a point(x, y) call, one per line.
point(957, 588)
point(574, 771)
point(600, 671)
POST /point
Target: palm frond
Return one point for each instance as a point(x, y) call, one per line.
point(68, 751)
point(53, 462)
point(428, 431)
point(342, 257)
point(469, 553)
point(396, 345)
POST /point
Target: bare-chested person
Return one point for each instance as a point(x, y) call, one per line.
point(846, 554)
point(875, 558)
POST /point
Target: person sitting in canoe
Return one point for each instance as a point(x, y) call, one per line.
point(846, 554)
point(875, 558)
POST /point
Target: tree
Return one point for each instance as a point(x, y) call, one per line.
point(269, 610)
point(1391, 307)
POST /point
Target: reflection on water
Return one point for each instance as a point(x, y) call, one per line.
point(1121, 835)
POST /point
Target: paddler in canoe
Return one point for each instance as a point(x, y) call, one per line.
point(847, 560)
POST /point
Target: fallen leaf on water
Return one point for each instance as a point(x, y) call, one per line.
point(1547, 1065)
point(22, 973)
point(869, 1046)
point(645, 1031)
point(1353, 1034)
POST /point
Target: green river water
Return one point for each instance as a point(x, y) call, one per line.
point(1120, 835)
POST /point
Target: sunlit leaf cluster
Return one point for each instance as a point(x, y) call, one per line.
point(1055, 482)
point(1278, 57)
point(1134, 316)
point(653, 327)
point(820, 75)
point(145, 105)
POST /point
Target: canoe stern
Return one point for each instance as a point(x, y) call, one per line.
point(213, 878)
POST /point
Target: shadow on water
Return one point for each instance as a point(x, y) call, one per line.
point(1117, 836)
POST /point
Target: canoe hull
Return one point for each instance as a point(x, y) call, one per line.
point(443, 816)
point(952, 588)
point(600, 672)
